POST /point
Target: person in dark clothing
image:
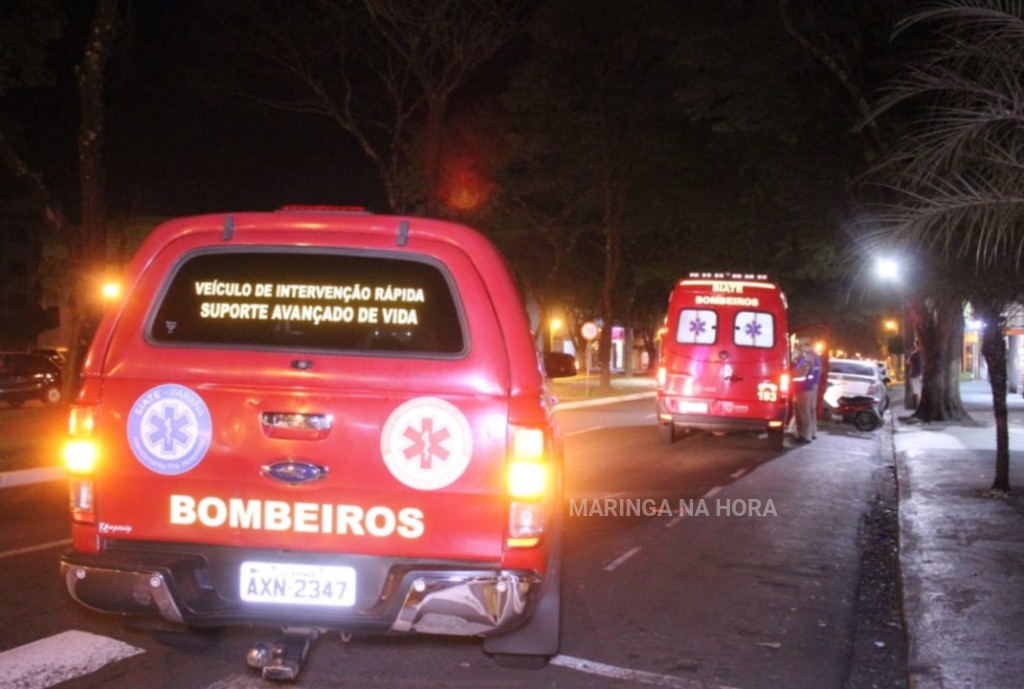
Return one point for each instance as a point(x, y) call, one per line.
point(806, 375)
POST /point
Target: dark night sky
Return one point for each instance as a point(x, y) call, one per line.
point(174, 148)
point(177, 148)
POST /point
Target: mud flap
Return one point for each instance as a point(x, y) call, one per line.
point(531, 645)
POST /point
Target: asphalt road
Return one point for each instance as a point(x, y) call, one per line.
point(733, 567)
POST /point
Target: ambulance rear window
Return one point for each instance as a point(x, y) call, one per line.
point(750, 328)
point(303, 300)
point(697, 326)
point(754, 329)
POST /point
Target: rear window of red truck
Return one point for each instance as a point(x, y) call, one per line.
point(311, 300)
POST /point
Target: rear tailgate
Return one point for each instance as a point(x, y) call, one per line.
point(732, 384)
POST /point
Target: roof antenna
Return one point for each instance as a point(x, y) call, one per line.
point(229, 229)
point(403, 233)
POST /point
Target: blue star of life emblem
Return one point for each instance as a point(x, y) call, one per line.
point(169, 429)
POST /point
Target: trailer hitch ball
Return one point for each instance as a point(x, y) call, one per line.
point(258, 656)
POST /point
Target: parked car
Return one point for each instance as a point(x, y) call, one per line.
point(58, 355)
point(25, 376)
point(855, 378)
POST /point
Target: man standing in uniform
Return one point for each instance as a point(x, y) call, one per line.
point(806, 374)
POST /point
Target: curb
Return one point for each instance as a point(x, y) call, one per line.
point(919, 676)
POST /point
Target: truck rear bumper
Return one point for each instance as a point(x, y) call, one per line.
point(719, 418)
point(427, 599)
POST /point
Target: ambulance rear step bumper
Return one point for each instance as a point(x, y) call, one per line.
point(461, 603)
point(716, 423)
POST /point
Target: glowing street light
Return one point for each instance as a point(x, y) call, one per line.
point(888, 269)
point(553, 325)
point(110, 290)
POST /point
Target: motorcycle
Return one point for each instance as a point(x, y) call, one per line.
point(859, 410)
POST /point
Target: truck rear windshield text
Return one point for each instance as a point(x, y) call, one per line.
point(302, 300)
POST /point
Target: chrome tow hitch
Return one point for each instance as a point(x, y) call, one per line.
point(282, 660)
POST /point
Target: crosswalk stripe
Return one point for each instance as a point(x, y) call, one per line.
point(58, 658)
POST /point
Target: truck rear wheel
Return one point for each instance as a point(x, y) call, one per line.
point(666, 433)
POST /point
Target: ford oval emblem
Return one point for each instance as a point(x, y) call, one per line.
point(294, 472)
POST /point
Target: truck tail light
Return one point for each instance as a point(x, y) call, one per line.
point(529, 482)
point(80, 457)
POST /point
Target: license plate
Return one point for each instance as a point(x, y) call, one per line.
point(297, 584)
point(693, 407)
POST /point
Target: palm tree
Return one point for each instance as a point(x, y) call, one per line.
point(955, 190)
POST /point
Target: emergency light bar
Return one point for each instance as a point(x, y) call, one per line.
point(318, 208)
point(730, 276)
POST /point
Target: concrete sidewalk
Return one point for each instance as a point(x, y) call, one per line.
point(961, 548)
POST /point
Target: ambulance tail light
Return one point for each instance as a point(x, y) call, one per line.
point(784, 384)
point(662, 376)
point(80, 456)
point(529, 483)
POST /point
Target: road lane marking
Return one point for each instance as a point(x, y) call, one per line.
point(682, 513)
point(35, 548)
point(622, 558)
point(738, 473)
point(59, 658)
point(628, 675)
point(585, 430)
point(24, 477)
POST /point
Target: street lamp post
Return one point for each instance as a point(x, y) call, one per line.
point(889, 270)
point(892, 328)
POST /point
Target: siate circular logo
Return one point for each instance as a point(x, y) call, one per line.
point(169, 429)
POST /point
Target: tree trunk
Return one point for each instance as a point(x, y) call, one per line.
point(612, 261)
point(88, 253)
point(993, 348)
point(433, 156)
point(940, 324)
